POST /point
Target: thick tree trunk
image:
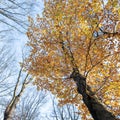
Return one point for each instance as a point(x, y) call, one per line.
point(96, 109)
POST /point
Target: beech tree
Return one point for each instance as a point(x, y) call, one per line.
point(75, 54)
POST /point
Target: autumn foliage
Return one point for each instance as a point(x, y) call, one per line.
point(77, 33)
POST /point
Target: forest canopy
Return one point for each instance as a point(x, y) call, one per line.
point(82, 35)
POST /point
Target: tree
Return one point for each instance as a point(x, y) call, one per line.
point(16, 96)
point(66, 112)
point(29, 106)
point(77, 43)
point(13, 21)
point(13, 105)
point(6, 73)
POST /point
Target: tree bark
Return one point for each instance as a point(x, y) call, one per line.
point(96, 109)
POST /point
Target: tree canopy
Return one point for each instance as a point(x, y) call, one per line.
point(82, 34)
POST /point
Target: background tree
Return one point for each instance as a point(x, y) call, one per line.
point(6, 73)
point(20, 100)
point(76, 43)
point(9, 111)
point(29, 107)
point(13, 25)
point(66, 112)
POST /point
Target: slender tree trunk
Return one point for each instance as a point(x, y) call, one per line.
point(96, 109)
point(9, 111)
point(11, 108)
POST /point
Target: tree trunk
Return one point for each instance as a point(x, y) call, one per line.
point(96, 109)
point(9, 111)
point(11, 108)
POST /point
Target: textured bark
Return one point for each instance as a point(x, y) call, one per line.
point(96, 109)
